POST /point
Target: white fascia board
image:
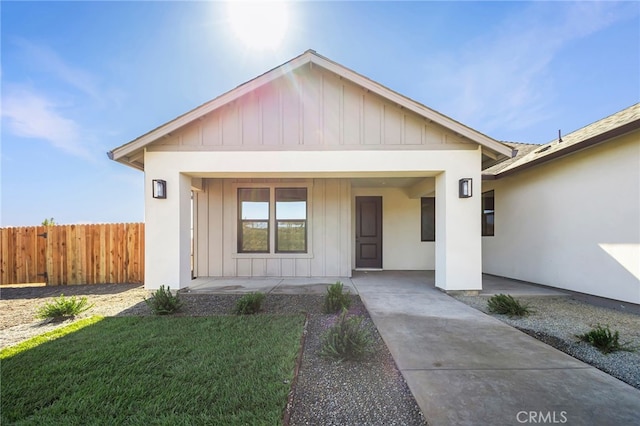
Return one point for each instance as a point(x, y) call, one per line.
point(310, 57)
point(413, 106)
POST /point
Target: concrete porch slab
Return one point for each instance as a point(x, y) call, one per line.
point(213, 285)
point(312, 285)
point(274, 285)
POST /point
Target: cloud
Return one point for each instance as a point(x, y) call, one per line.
point(44, 59)
point(506, 76)
point(47, 60)
point(32, 115)
point(54, 99)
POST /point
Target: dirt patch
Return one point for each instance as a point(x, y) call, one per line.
point(19, 305)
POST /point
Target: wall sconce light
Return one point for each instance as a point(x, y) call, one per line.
point(159, 188)
point(465, 189)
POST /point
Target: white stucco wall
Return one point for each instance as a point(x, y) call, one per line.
point(573, 223)
point(458, 230)
point(167, 236)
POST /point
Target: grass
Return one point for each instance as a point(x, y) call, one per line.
point(154, 370)
point(46, 337)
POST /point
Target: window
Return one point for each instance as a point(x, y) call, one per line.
point(291, 220)
point(428, 218)
point(253, 220)
point(488, 212)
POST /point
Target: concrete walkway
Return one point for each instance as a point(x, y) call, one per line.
point(467, 368)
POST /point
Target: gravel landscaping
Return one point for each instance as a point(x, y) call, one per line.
point(369, 392)
point(327, 392)
point(557, 320)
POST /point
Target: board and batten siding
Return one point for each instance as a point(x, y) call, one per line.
point(311, 109)
point(328, 227)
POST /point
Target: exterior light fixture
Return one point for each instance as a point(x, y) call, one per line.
point(159, 188)
point(465, 188)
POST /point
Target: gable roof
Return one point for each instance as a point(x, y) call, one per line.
point(131, 152)
point(528, 155)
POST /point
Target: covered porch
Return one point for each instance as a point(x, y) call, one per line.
point(359, 279)
point(333, 183)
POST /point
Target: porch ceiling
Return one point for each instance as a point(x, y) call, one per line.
point(360, 179)
point(388, 182)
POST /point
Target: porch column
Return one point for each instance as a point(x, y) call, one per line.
point(458, 233)
point(167, 231)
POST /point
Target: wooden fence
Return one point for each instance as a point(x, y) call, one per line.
point(72, 254)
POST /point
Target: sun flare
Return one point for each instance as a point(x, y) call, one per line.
point(259, 25)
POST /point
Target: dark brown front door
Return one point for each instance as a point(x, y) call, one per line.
point(368, 232)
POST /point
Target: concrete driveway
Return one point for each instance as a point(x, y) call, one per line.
point(467, 368)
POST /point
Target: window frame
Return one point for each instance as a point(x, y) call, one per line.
point(272, 185)
point(242, 221)
point(277, 221)
point(488, 230)
point(430, 203)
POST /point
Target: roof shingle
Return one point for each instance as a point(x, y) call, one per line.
point(529, 153)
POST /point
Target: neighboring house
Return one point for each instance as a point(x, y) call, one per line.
point(313, 170)
point(567, 214)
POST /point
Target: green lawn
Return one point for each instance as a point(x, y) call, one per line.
point(223, 370)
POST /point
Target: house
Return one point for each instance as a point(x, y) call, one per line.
point(313, 170)
point(567, 214)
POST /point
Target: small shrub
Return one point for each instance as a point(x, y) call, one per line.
point(507, 305)
point(603, 339)
point(62, 307)
point(249, 304)
point(163, 302)
point(336, 298)
point(347, 339)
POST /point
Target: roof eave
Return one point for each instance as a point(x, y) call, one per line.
point(210, 106)
point(587, 143)
point(128, 161)
point(422, 110)
point(495, 148)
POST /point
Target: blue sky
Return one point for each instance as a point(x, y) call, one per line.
point(81, 78)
